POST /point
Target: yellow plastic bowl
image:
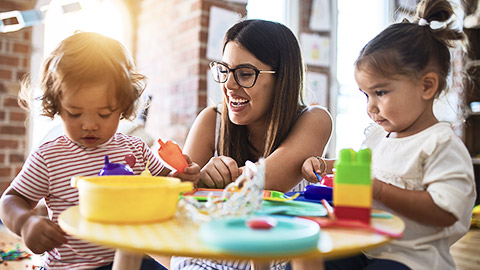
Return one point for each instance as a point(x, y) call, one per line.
point(128, 199)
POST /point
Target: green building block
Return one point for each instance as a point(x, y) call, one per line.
point(353, 167)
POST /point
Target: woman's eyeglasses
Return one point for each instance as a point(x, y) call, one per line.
point(245, 76)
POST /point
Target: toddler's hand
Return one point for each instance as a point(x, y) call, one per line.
point(190, 173)
point(41, 234)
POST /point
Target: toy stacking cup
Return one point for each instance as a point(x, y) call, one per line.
point(128, 199)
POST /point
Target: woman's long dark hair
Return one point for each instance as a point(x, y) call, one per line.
point(275, 45)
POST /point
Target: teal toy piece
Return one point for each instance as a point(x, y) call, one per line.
point(353, 167)
point(290, 235)
point(292, 208)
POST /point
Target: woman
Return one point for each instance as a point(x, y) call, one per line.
point(263, 113)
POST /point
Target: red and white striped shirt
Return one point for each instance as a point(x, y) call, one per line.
point(47, 173)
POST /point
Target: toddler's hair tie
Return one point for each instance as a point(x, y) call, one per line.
point(423, 22)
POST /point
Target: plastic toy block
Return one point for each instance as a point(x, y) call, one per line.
point(361, 214)
point(352, 195)
point(353, 167)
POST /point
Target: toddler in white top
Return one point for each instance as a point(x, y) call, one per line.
point(422, 172)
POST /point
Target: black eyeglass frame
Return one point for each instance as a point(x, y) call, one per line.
point(232, 70)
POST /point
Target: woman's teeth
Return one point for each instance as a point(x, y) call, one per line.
point(238, 102)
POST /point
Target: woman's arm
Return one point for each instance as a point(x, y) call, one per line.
point(216, 172)
point(309, 137)
point(200, 142)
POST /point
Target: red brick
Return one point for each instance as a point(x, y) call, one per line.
point(12, 130)
point(2, 115)
point(5, 184)
point(6, 172)
point(27, 34)
point(20, 48)
point(10, 102)
point(17, 170)
point(21, 74)
point(5, 74)
point(11, 144)
point(2, 158)
point(16, 158)
point(17, 116)
point(9, 60)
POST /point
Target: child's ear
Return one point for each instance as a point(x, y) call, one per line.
point(429, 85)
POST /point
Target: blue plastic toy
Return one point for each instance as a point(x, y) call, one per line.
point(115, 168)
point(318, 192)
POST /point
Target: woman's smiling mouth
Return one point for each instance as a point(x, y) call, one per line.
point(238, 102)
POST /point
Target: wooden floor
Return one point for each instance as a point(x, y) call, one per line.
point(466, 251)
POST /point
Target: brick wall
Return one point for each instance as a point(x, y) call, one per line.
point(170, 48)
point(171, 51)
point(15, 48)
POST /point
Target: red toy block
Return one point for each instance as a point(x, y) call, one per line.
point(353, 213)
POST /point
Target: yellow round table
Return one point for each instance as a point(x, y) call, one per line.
point(175, 238)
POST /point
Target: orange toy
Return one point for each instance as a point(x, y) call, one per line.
point(171, 153)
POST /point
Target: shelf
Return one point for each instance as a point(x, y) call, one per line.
point(475, 161)
point(472, 63)
point(472, 114)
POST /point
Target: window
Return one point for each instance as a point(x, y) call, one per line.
point(357, 24)
point(62, 19)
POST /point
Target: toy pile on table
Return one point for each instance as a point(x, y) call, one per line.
point(240, 198)
point(15, 254)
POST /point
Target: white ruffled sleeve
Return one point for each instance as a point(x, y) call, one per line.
point(449, 174)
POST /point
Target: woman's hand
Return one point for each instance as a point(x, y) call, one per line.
point(41, 234)
point(311, 165)
point(219, 172)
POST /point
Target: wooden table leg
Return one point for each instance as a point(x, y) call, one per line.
point(260, 265)
point(310, 264)
point(127, 260)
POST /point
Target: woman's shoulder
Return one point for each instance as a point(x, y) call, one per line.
point(316, 109)
point(210, 111)
point(206, 120)
point(208, 114)
point(316, 113)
